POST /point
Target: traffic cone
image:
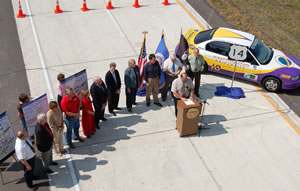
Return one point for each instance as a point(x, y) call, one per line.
point(109, 6)
point(57, 10)
point(136, 4)
point(20, 15)
point(165, 3)
point(84, 7)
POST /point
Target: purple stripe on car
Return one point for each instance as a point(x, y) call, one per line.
point(294, 59)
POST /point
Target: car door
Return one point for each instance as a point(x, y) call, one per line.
point(250, 68)
point(216, 53)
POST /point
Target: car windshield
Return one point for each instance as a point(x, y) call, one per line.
point(204, 35)
point(262, 52)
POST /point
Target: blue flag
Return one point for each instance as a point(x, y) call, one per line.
point(162, 53)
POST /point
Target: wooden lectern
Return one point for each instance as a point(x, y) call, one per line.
point(188, 117)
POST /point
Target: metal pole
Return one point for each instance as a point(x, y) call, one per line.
point(233, 74)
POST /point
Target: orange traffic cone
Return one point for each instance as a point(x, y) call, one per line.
point(84, 7)
point(136, 4)
point(109, 5)
point(165, 3)
point(20, 15)
point(57, 10)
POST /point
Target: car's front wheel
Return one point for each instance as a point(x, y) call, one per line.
point(272, 84)
point(204, 68)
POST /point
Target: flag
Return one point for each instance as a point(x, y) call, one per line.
point(142, 61)
point(162, 53)
point(182, 50)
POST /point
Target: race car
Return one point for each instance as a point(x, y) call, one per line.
point(264, 65)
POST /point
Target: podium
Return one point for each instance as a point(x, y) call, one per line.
point(188, 117)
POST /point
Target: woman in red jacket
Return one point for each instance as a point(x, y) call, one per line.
point(87, 119)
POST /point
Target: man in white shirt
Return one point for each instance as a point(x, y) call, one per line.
point(182, 89)
point(172, 67)
point(25, 153)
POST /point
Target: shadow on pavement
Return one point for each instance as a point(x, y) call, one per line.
point(211, 125)
point(212, 130)
point(13, 176)
point(85, 156)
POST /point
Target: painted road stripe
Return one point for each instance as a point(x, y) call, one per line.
point(50, 90)
point(117, 25)
point(259, 89)
point(191, 15)
point(277, 109)
point(42, 60)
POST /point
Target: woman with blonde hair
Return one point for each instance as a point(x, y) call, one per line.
point(132, 82)
point(87, 120)
point(56, 123)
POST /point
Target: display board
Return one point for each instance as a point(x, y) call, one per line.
point(7, 138)
point(32, 109)
point(77, 81)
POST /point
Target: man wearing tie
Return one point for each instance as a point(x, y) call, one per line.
point(100, 96)
point(113, 82)
point(172, 67)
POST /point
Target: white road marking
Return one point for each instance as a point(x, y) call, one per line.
point(71, 167)
point(50, 91)
point(42, 61)
point(115, 22)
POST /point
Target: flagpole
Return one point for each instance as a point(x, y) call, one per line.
point(144, 33)
point(141, 55)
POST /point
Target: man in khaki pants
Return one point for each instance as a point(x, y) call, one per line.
point(152, 73)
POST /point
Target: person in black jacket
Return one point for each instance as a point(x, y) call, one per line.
point(99, 94)
point(113, 82)
point(44, 140)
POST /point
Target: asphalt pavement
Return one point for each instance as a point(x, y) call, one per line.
point(13, 81)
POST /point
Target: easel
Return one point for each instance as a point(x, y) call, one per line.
point(14, 157)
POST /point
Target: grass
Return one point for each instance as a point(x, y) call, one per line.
point(276, 22)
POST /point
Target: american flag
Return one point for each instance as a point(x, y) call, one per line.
point(142, 61)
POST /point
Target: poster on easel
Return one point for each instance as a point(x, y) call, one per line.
point(77, 82)
point(7, 137)
point(32, 109)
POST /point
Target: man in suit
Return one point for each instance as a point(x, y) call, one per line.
point(113, 82)
point(44, 140)
point(100, 96)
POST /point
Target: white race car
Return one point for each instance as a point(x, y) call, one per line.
point(267, 66)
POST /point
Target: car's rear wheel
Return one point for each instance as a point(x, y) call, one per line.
point(272, 84)
point(204, 68)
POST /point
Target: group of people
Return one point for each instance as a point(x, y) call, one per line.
point(66, 110)
point(177, 76)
